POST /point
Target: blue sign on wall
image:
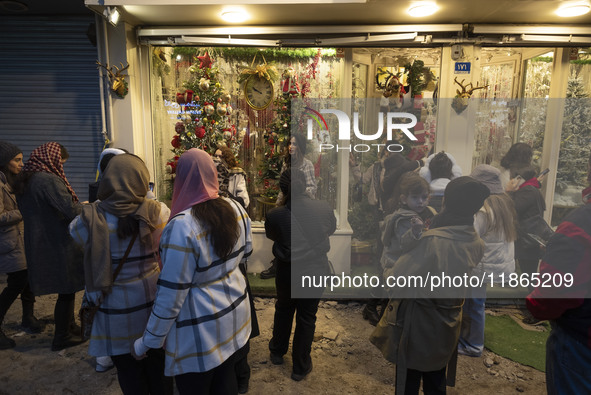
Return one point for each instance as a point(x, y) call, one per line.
point(462, 68)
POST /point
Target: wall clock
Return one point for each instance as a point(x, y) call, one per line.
point(258, 92)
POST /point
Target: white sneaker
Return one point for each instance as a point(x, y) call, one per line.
point(103, 364)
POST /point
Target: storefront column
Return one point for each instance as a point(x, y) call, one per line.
point(455, 132)
point(554, 120)
point(128, 118)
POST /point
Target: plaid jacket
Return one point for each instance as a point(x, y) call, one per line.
point(201, 313)
point(124, 312)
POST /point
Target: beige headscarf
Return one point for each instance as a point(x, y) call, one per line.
point(122, 192)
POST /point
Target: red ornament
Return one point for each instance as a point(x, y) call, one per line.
point(176, 142)
point(179, 127)
point(200, 131)
point(205, 61)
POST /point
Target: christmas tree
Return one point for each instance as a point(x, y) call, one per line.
point(277, 137)
point(204, 119)
point(576, 136)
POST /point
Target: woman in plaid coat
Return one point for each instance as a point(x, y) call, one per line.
point(123, 218)
point(201, 313)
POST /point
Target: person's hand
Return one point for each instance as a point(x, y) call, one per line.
point(416, 225)
point(513, 184)
point(139, 349)
point(541, 178)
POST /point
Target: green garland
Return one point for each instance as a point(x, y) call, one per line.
point(246, 54)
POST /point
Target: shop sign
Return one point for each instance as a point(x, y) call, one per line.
point(462, 68)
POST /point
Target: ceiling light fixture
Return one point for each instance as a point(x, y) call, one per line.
point(573, 9)
point(422, 9)
point(234, 16)
point(112, 14)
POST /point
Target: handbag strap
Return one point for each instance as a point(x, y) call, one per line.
point(122, 261)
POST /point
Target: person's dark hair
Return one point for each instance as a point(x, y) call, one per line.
point(410, 183)
point(127, 226)
point(520, 154)
point(219, 218)
point(526, 172)
point(106, 158)
point(228, 156)
point(301, 143)
point(105, 161)
point(64, 152)
point(440, 166)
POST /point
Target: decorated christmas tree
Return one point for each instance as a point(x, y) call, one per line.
point(277, 136)
point(576, 136)
point(204, 119)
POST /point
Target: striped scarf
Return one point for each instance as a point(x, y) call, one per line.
point(47, 158)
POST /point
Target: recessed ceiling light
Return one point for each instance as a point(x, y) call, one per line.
point(234, 16)
point(573, 9)
point(421, 9)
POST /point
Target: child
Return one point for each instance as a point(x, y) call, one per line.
point(439, 170)
point(495, 224)
point(403, 228)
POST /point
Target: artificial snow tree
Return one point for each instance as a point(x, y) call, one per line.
point(576, 136)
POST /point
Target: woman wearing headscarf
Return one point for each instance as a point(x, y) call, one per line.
point(420, 332)
point(12, 245)
point(48, 204)
point(123, 217)
point(202, 306)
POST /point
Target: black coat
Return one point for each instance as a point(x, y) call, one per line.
point(54, 260)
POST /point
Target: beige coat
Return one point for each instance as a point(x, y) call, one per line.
point(422, 332)
point(12, 249)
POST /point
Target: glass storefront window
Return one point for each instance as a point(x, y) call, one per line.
point(257, 134)
point(262, 133)
point(536, 86)
point(575, 145)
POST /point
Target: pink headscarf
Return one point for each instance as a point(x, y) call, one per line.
point(196, 181)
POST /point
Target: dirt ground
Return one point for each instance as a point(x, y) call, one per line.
point(344, 361)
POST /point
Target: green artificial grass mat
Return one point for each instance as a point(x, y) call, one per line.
point(503, 336)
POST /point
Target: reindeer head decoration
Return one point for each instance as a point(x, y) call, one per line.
point(391, 85)
point(460, 101)
point(116, 78)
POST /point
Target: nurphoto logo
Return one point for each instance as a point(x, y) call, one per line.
point(394, 121)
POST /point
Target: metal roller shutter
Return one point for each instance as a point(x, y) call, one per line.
point(49, 91)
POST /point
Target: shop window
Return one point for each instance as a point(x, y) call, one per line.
point(257, 132)
point(496, 115)
point(575, 144)
point(260, 133)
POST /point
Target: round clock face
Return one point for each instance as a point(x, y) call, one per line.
point(258, 92)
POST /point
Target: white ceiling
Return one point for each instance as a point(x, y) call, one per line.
point(279, 21)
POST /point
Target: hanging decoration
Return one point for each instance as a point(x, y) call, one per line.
point(391, 86)
point(258, 83)
point(460, 101)
point(204, 119)
point(277, 136)
point(263, 70)
point(117, 79)
point(290, 85)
